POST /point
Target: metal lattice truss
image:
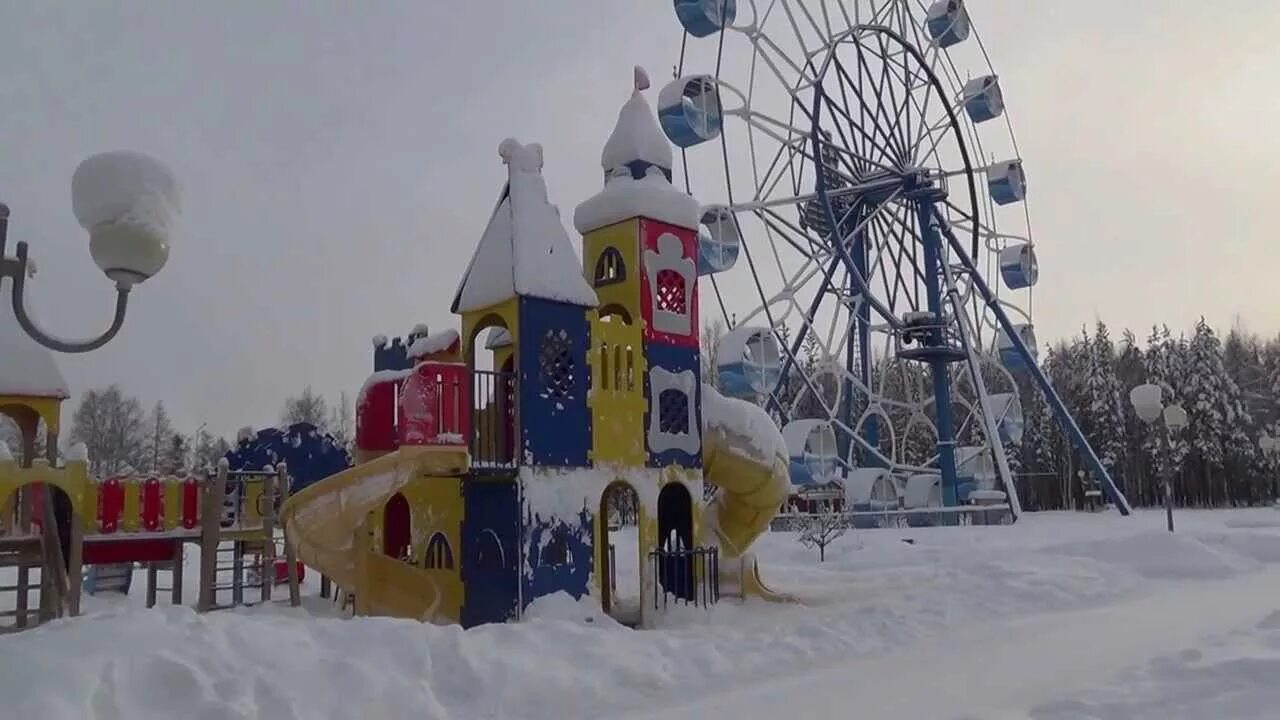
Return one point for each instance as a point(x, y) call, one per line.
point(829, 137)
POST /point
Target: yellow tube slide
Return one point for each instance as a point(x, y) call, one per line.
point(745, 456)
point(321, 521)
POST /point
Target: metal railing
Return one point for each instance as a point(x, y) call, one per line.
point(1000, 514)
point(493, 420)
point(691, 576)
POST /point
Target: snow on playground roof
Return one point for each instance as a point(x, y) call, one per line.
point(524, 251)
point(740, 417)
point(637, 137)
point(431, 344)
point(498, 337)
point(26, 367)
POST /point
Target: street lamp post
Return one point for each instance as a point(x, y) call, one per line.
point(1148, 402)
point(126, 201)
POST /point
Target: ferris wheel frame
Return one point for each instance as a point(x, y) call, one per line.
point(946, 265)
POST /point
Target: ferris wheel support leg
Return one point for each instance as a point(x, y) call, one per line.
point(941, 378)
point(1055, 402)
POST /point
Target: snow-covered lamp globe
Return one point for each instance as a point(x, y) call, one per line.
point(1148, 402)
point(1175, 418)
point(128, 202)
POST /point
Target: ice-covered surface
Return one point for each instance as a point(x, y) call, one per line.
point(525, 250)
point(1059, 617)
point(26, 367)
point(637, 138)
point(431, 344)
point(125, 187)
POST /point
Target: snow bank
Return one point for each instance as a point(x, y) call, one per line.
point(525, 250)
point(5, 454)
point(954, 591)
point(125, 187)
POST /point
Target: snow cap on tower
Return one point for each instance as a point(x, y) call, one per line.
point(525, 251)
point(637, 163)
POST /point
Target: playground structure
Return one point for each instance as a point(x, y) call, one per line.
point(478, 490)
point(55, 519)
point(871, 211)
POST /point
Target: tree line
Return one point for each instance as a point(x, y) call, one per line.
point(1229, 387)
point(122, 437)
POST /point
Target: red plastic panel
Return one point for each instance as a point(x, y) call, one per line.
point(152, 505)
point(669, 283)
point(190, 503)
point(376, 416)
point(435, 405)
point(121, 551)
point(110, 505)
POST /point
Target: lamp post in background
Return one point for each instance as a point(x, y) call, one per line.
point(1270, 447)
point(1148, 403)
point(126, 201)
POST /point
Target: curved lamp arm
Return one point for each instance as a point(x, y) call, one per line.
point(16, 269)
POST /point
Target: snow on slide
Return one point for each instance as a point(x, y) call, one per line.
point(322, 519)
point(743, 454)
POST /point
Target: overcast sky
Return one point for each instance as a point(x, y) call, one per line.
point(339, 163)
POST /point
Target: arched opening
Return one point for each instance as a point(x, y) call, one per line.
point(397, 528)
point(493, 395)
point(675, 537)
point(620, 552)
point(439, 555)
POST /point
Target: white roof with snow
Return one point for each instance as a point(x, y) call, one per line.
point(27, 368)
point(637, 137)
point(525, 251)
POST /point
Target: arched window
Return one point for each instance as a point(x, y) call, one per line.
point(439, 555)
point(610, 268)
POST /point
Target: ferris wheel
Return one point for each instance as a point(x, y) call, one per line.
point(867, 237)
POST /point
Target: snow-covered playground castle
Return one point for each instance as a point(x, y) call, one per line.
point(480, 490)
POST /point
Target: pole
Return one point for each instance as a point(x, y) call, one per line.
point(1168, 478)
point(1046, 388)
point(941, 381)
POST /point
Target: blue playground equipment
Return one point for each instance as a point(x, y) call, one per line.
point(309, 454)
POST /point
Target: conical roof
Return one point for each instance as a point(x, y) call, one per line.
point(525, 251)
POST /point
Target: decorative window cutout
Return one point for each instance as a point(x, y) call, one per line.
point(673, 412)
point(439, 555)
point(610, 268)
point(671, 279)
point(673, 422)
point(555, 365)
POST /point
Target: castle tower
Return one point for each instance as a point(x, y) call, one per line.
point(524, 278)
point(31, 386)
point(639, 252)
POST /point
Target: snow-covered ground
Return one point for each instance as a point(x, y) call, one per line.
point(1062, 616)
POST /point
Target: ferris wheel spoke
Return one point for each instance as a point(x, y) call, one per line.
point(883, 88)
point(775, 55)
point(870, 115)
